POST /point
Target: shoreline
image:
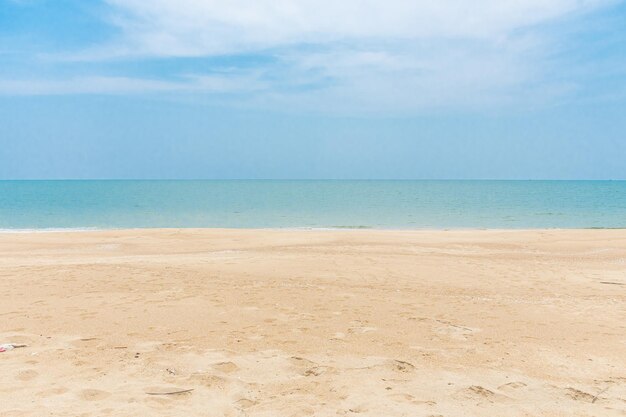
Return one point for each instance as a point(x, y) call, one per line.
point(295, 229)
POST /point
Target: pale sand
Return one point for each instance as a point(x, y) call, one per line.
point(324, 323)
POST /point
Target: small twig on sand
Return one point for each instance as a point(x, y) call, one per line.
point(171, 392)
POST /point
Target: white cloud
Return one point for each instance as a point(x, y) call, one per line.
point(355, 54)
point(199, 27)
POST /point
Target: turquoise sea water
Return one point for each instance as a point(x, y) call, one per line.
point(314, 204)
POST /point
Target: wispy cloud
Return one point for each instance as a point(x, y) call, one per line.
point(199, 27)
point(356, 54)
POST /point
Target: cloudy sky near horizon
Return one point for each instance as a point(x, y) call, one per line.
point(312, 89)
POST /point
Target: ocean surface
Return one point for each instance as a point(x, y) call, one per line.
point(312, 204)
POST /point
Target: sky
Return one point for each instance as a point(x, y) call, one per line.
point(352, 89)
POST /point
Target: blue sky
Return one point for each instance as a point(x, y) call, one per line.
point(313, 89)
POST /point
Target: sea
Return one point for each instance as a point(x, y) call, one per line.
point(311, 204)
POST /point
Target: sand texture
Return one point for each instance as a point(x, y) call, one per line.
point(320, 323)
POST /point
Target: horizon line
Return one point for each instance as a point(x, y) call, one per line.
point(312, 179)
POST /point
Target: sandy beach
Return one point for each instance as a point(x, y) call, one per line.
point(328, 323)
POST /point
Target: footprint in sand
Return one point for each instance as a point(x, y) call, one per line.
point(579, 395)
point(226, 367)
point(401, 366)
point(27, 375)
point(302, 365)
point(317, 371)
point(511, 386)
point(454, 331)
point(245, 403)
point(477, 392)
point(208, 380)
point(408, 398)
point(52, 391)
point(94, 395)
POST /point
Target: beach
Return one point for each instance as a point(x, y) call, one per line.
point(227, 322)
